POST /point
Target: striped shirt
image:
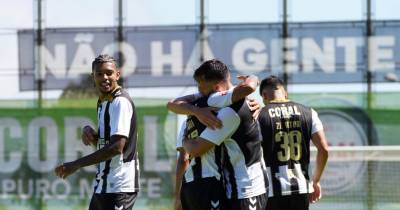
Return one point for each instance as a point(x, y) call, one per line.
point(208, 164)
point(286, 129)
point(118, 117)
point(240, 138)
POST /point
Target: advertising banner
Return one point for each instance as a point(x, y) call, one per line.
point(33, 142)
point(332, 52)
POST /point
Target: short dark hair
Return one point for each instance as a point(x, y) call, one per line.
point(212, 70)
point(103, 58)
point(272, 82)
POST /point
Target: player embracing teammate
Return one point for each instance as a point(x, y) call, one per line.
point(223, 166)
point(221, 152)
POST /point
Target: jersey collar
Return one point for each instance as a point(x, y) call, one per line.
point(279, 101)
point(110, 97)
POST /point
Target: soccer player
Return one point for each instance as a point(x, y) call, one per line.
point(287, 128)
point(183, 157)
point(206, 117)
point(238, 138)
point(117, 177)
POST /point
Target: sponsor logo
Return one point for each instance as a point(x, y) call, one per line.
point(253, 202)
point(118, 208)
point(214, 205)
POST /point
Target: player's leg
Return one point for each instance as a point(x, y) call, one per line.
point(254, 203)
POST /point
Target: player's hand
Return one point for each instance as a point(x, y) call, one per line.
point(178, 204)
point(254, 107)
point(66, 169)
point(248, 79)
point(242, 77)
point(208, 118)
point(89, 136)
point(316, 195)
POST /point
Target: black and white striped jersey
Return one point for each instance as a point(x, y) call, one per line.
point(209, 164)
point(242, 154)
point(286, 129)
point(214, 100)
point(118, 117)
point(180, 135)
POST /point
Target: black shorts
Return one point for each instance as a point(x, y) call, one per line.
point(254, 203)
point(203, 194)
point(112, 201)
point(289, 202)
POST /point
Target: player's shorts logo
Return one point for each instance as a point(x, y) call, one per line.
point(253, 202)
point(214, 205)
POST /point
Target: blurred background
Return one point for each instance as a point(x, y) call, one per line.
point(340, 57)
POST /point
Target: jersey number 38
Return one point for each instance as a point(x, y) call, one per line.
point(290, 145)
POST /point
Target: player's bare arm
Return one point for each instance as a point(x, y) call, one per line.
point(246, 87)
point(197, 147)
point(205, 115)
point(115, 147)
point(320, 142)
point(182, 164)
point(181, 105)
point(225, 97)
point(243, 90)
point(210, 138)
